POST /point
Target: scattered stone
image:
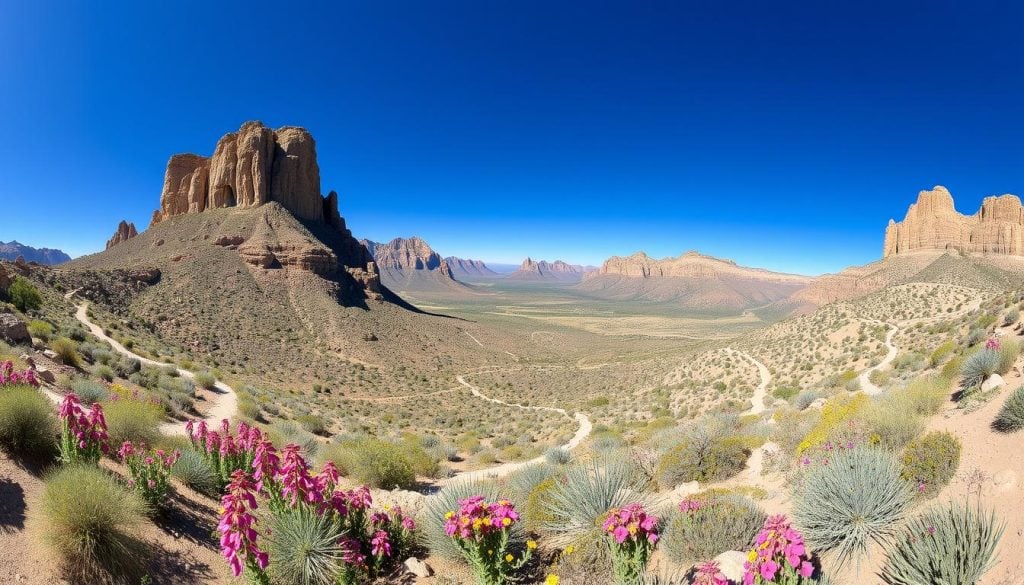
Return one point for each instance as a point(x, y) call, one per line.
point(13, 329)
point(46, 375)
point(994, 381)
point(731, 564)
point(49, 353)
point(422, 569)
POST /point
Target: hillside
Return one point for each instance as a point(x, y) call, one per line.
point(13, 250)
point(692, 281)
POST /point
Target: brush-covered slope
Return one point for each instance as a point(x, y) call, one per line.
point(691, 281)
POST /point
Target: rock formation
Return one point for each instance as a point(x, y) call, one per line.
point(462, 267)
point(125, 231)
point(249, 168)
point(410, 264)
point(691, 264)
point(13, 250)
point(542, 270)
point(933, 223)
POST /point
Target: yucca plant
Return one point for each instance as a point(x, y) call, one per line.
point(953, 545)
point(578, 505)
point(977, 367)
point(195, 471)
point(854, 498)
point(305, 547)
point(522, 482)
point(1011, 416)
point(432, 534)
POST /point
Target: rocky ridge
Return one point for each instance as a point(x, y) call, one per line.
point(124, 232)
point(466, 267)
point(691, 264)
point(933, 223)
point(558, 270)
point(13, 250)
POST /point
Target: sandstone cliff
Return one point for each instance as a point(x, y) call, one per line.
point(411, 265)
point(933, 223)
point(542, 270)
point(124, 232)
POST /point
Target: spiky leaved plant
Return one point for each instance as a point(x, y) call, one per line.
point(578, 505)
point(195, 471)
point(522, 482)
point(431, 520)
point(1011, 416)
point(977, 367)
point(305, 547)
point(952, 545)
point(855, 497)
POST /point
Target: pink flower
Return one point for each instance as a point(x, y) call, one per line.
point(236, 526)
point(380, 545)
point(296, 483)
point(710, 573)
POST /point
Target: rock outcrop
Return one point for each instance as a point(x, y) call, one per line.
point(125, 231)
point(13, 330)
point(691, 264)
point(13, 250)
point(542, 270)
point(933, 223)
point(462, 267)
point(249, 168)
point(405, 254)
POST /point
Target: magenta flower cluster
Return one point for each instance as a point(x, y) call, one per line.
point(779, 555)
point(481, 529)
point(476, 518)
point(227, 452)
point(83, 433)
point(631, 522)
point(237, 526)
point(709, 573)
point(690, 505)
point(149, 471)
point(9, 377)
point(992, 344)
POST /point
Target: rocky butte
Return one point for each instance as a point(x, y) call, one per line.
point(932, 223)
point(558, 270)
point(125, 231)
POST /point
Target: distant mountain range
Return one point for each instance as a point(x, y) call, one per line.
point(544, 271)
point(410, 264)
point(12, 250)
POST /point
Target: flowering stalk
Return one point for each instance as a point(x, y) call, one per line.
point(634, 533)
point(225, 451)
point(481, 531)
point(779, 556)
point(8, 377)
point(83, 436)
point(237, 533)
point(149, 471)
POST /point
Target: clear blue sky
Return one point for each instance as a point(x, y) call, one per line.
point(780, 134)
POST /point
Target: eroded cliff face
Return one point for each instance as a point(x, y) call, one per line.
point(125, 231)
point(249, 168)
point(406, 254)
point(933, 223)
point(691, 264)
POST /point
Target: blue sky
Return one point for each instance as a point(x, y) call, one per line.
point(780, 134)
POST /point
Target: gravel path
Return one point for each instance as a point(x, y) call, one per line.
point(865, 377)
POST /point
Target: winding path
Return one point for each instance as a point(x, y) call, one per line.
point(585, 427)
point(866, 385)
point(224, 400)
point(757, 400)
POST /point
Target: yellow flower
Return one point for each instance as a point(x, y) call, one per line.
point(569, 549)
point(449, 515)
point(551, 580)
point(531, 544)
point(505, 521)
point(752, 556)
point(490, 551)
point(508, 558)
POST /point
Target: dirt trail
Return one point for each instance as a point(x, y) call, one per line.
point(504, 469)
point(866, 385)
point(223, 399)
point(757, 400)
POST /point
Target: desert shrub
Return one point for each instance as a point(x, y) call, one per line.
point(785, 392)
point(313, 423)
point(890, 427)
point(923, 396)
point(380, 464)
point(558, 456)
point(858, 497)
point(104, 373)
point(835, 412)
point(40, 329)
point(536, 512)
point(67, 351)
point(976, 335)
point(132, 420)
point(978, 366)
point(805, 399)
point(88, 391)
point(205, 380)
point(702, 459)
point(305, 547)
point(930, 462)
point(27, 424)
point(195, 471)
point(589, 490)
point(1009, 349)
point(953, 545)
point(718, 524)
point(248, 408)
point(285, 432)
point(424, 462)
point(24, 295)
point(941, 353)
point(1011, 316)
point(1011, 416)
point(432, 518)
point(952, 368)
point(520, 483)
point(91, 525)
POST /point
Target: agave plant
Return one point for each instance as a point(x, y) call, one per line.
point(855, 497)
point(1011, 416)
point(979, 366)
point(305, 548)
point(951, 546)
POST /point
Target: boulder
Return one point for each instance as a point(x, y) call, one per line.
point(731, 564)
point(994, 381)
point(417, 567)
point(49, 353)
point(46, 375)
point(13, 330)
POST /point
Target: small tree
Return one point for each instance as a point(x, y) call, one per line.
point(24, 295)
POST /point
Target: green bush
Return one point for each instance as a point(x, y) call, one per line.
point(305, 548)
point(91, 524)
point(132, 420)
point(380, 464)
point(88, 391)
point(1009, 349)
point(702, 458)
point(1011, 416)
point(923, 396)
point(978, 366)
point(889, 426)
point(931, 461)
point(249, 408)
point(24, 295)
point(67, 351)
point(40, 329)
point(313, 423)
point(104, 373)
point(558, 456)
point(944, 546)
point(196, 471)
point(285, 432)
point(722, 523)
point(536, 511)
point(941, 353)
point(28, 426)
point(858, 497)
point(205, 380)
point(1011, 316)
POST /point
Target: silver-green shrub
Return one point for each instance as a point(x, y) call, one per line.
point(978, 366)
point(720, 524)
point(1011, 416)
point(305, 548)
